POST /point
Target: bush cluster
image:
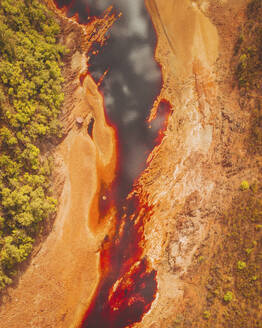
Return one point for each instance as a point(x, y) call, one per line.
point(30, 100)
point(248, 70)
point(249, 47)
point(229, 282)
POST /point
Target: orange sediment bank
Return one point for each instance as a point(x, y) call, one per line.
point(105, 140)
point(92, 32)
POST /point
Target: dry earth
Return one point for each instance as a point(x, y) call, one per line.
point(193, 175)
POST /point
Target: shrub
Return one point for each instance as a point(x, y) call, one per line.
point(228, 297)
point(206, 315)
point(241, 265)
point(244, 185)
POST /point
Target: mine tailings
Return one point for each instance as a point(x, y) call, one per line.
point(127, 285)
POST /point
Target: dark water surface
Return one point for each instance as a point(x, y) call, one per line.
point(132, 83)
point(127, 285)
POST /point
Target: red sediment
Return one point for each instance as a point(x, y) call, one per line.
point(72, 6)
point(82, 76)
point(102, 78)
point(163, 113)
point(94, 27)
point(128, 285)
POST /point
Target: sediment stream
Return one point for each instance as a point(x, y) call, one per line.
point(127, 284)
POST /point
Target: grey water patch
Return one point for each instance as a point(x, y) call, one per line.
point(132, 83)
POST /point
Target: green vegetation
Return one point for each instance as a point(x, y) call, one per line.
point(200, 259)
point(30, 100)
point(228, 296)
point(239, 283)
point(248, 48)
point(242, 265)
point(244, 185)
point(249, 70)
point(231, 289)
point(206, 315)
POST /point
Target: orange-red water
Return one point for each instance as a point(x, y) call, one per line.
point(127, 284)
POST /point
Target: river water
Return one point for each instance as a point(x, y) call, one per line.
point(127, 285)
point(132, 83)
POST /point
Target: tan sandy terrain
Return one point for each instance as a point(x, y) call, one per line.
point(186, 181)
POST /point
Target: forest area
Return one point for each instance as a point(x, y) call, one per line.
point(30, 100)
